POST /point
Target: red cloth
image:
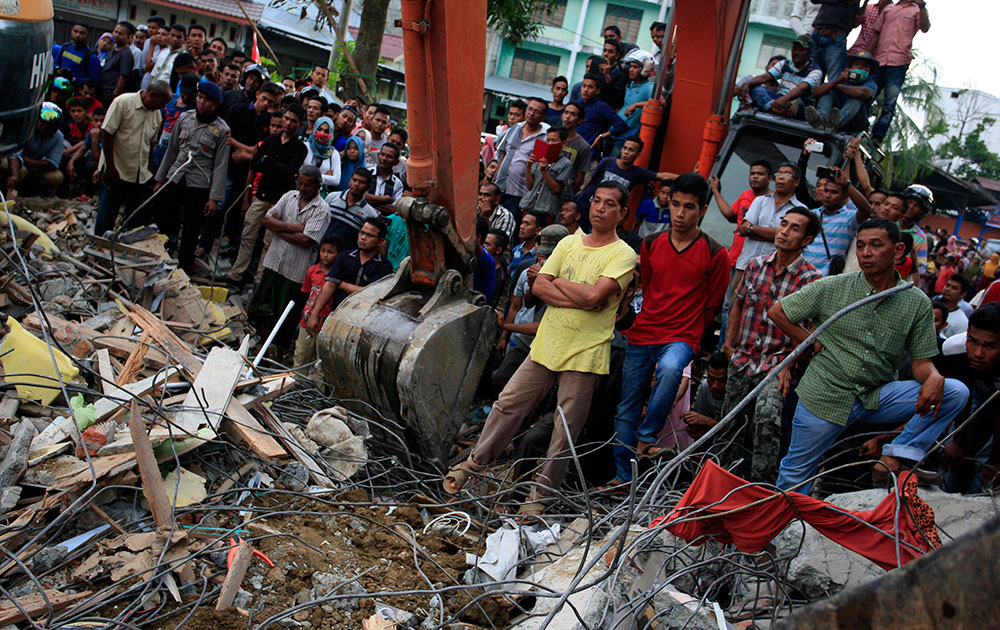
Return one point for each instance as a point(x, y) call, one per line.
point(715, 491)
point(943, 277)
point(740, 207)
point(905, 268)
point(681, 291)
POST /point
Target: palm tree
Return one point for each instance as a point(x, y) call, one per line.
point(909, 153)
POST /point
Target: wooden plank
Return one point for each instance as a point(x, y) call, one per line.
point(134, 362)
point(273, 386)
point(238, 570)
point(35, 606)
point(104, 407)
point(117, 346)
point(152, 481)
point(107, 372)
point(212, 390)
point(177, 349)
point(110, 464)
point(240, 424)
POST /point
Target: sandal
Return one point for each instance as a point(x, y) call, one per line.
point(530, 510)
point(614, 487)
point(656, 452)
point(457, 476)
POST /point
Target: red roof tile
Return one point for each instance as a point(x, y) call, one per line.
point(392, 45)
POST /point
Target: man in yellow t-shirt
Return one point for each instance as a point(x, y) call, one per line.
point(582, 282)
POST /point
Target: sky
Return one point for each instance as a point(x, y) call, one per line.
point(961, 43)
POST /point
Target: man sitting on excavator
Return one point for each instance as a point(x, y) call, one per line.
point(797, 78)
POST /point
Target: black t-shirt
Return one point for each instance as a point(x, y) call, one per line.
point(230, 99)
point(277, 163)
point(347, 267)
point(247, 125)
point(117, 63)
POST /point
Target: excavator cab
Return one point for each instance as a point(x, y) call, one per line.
point(755, 135)
point(24, 69)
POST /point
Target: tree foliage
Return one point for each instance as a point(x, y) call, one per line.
point(974, 157)
point(517, 20)
point(910, 152)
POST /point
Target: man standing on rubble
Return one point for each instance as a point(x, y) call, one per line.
point(852, 375)
point(582, 282)
point(129, 131)
point(298, 222)
point(196, 191)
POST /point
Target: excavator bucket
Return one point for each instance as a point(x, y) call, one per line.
point(414, 345)
point(415, 355)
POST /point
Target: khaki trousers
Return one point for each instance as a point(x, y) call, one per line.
point(253, 221)
point(530, 383)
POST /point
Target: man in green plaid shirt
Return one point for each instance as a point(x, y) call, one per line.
point(852, 377)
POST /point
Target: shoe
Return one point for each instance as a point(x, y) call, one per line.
point(793, 109)
point(835, 120)
point(815, 119)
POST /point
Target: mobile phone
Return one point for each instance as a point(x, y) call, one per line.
point(825, 172)
point(814, 147)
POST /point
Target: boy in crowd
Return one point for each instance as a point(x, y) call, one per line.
point(305, 344)
point(653, 214)
point(548, 183)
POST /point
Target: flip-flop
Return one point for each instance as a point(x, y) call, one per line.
point(656, 452)
point(530, 510)
point(457, 475)
point(614, 487)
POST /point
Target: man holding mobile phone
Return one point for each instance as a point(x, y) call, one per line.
point(844, 102)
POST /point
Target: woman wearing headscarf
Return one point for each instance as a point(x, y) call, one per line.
point(321, 154)
point(103, 46)
point(352, 158)
point(989, 272)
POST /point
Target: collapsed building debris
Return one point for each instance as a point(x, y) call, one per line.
point(152, 476)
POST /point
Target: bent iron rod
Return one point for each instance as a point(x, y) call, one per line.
point(680, 457)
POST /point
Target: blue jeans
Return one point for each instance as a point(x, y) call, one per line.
point(112, 198)
point(890, 81)
point(830, 54)
point(813, 436)
point(667, 361)
point(763, 97)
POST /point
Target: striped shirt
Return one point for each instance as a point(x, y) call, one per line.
point(503, 220)
point(763, 213)
point(346, 219)
point(919, 246)
point(837, 230)
point(289, 260)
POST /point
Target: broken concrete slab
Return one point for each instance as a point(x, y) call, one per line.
point(822, 567)
point(15, 462)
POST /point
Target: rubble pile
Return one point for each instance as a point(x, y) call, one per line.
point(158, 470)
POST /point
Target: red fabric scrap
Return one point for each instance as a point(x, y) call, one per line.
point(765, 513)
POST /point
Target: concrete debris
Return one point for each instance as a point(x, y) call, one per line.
point(48, 558)
point(294, 476)
point(15, 461)
point(342, 450)
point(822, 568)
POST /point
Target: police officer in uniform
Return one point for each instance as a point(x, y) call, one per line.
point(200, 187)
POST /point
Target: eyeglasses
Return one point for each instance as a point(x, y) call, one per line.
point(783, 174)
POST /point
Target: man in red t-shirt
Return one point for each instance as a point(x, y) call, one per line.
point(684, 278)
point(761, 174)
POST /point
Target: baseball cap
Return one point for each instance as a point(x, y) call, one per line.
point(806, 41)
point(211, 91)
point(550, 237)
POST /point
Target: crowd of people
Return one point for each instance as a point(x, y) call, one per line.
point(603, 310)
point(830, 86)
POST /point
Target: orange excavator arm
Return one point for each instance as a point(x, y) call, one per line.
point(709, 40)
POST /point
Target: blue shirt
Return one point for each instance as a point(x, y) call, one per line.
point(608, 170)
point(519, 255)
point(635, 93)
point(49, 149)
point(653, 218)
point(72, 58)
point(838, 228)
point(600, 118)
point(485, 275)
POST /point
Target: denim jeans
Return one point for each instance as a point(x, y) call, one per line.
point(830, 53)
point(813, 436)
point(667, 361)
point(890, 81)
point(112, 198)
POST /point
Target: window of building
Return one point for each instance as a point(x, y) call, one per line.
point(773, 45)
point(533, 66)
point(780, 9)
point(557, 17)
point(627, 19)
point(133, 11)
point(173, 19)
point(211, 29)
point(232, 34)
